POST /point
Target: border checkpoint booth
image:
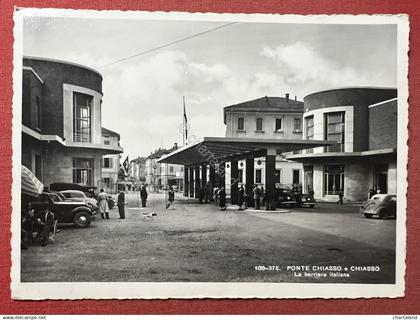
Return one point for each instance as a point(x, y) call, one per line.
point(207, 158)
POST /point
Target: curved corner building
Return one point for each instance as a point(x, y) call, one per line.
point(363, 122)
point(62, 135)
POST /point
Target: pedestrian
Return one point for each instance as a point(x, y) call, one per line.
point(143, 196)
point(263, 196)
point(121, 204)
point(103, 204)
point(371, 192)
point(257, 196)
point(222, 199)
point(171, 199)
point(241, 197)
point(340, 196)
point(216, 195)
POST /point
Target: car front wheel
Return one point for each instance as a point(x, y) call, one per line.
point(82, 219)
point(368, 215)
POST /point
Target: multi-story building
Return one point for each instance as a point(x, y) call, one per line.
point(137, 171)
point(267, 118)
point(363, 122)
point(111, 162)
point(61, 122)
point(160, 175)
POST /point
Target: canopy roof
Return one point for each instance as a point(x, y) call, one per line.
point(214, 149)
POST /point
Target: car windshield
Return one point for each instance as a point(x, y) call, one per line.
point(61, 196)
point(54, 198)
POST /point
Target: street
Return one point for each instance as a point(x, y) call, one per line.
point(200, 243)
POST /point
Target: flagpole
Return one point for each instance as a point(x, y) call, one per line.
point(183, 122)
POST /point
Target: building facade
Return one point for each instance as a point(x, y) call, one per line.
point(363, 122)
point(111, 162)
point(137, 171)
point(162, 175)
point(267, 118)
point(62, 137)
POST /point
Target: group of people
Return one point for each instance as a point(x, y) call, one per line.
point(104, 207)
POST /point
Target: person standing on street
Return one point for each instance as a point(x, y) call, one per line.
point(340, 196)
point(171, 199)
point(121, 204)
point(216, 195)
point(257, 196)
point(222, 199)
point(241, 197)
point(143, 196)
point(103, 204)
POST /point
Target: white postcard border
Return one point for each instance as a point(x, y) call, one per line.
point(183, 290)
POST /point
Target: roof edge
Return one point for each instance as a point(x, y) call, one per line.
point(63, 62)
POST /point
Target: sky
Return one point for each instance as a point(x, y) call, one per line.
point(240, 62)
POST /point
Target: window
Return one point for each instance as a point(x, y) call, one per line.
point(107, 182)
point(334, 131)
point(297, 125)
point(333, 179)
point(278, 172)
point(82, 105)
point(82, 171)
point(107, 163)
point(279, 124)
point(182, 169)
point(259, 124)
point(107, 142)
point(296, 176)
point(171, 169)
point(37, 113)
point(241, 124)
point(309, 134)
point(258, 174)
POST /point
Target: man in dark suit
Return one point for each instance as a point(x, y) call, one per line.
point(121, 204)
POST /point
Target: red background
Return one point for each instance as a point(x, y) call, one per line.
point(410, 304)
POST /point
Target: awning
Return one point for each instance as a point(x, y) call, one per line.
point(31, 186)
point(214, 149)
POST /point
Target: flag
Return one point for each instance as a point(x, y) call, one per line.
point(126, 164)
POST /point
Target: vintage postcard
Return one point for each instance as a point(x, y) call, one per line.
point(179, 155)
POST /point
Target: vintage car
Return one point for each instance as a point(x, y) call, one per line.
point(285, 198)
point(89, 191)
point(78, 212)
point(76, 195)
point(380, 205)
point(305, 200)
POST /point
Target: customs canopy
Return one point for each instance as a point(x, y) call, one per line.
point(213, 149)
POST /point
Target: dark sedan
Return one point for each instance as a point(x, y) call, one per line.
point(65, 211)
point(380, 205)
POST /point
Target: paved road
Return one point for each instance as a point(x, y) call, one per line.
point(201, 243)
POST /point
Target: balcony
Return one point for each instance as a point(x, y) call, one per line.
point(334, 148)
point(82, 137)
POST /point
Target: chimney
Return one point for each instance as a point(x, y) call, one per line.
point(295, 98)
point(287, 97)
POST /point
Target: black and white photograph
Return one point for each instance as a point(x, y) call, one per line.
point(180, 155)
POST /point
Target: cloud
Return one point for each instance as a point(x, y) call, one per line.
point(300, 65)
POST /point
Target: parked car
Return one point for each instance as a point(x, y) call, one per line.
point(305, 199)
point(76, 195)
point(89, 191)
point(285, 198)
point(77, 212)
point(380, 205)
